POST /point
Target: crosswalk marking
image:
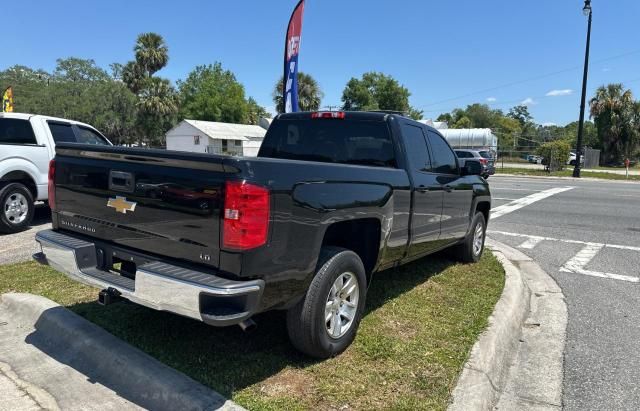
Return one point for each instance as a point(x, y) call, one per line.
point(525, 201)
point(577, 264)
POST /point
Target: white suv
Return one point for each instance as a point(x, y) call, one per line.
point(27, 144)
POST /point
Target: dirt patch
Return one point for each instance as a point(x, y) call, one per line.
point(291, 383)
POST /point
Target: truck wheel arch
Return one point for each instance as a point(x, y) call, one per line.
point(20, 177)
point(484, 207)
point(362, 236)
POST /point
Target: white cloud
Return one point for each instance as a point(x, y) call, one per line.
point(491, 99)
point(563, 92)
point(549, 124)
point(528, 102)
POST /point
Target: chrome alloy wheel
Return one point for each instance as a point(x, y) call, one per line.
point(478, 239)
point(16, 208)
point(342, 305)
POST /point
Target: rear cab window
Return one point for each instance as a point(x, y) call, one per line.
point(16, 131)
point(343, 141)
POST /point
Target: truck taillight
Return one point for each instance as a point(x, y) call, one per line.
point(246, 215)
point(51, 186)
point(484, 161)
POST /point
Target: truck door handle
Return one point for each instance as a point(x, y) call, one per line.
point(422, 189)
point(448, 188)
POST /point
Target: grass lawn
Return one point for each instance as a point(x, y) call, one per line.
point(568, 172)
point(421, 322)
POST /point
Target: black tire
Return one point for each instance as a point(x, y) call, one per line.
point(465, 251)
point(11, 223)
point(306, 322)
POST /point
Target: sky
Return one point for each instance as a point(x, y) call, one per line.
point(447, 53)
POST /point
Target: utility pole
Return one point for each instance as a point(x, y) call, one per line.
point(588, 12)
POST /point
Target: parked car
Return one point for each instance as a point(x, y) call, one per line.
point(26, 145)
point(572, 159)
point(482, 156)
point(535, 159)
point(332, 199)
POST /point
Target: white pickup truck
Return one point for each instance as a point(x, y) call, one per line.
point(27, 144)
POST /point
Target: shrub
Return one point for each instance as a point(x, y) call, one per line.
point(555, 154)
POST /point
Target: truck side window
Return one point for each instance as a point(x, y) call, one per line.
point(16, 131)
point(416, 147)
point(444, 161)
point(62, 132)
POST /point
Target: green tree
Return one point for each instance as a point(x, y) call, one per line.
point(79, 70)
point(377, 91)
point(151, 53)
point(589, 137)
point(77, 90)
point(157, 106)
point(612, 109)
point(157, 103)
point(309, 93)
point(255, 112)
point(521, 113)
point(213, 94)
point(507, 131)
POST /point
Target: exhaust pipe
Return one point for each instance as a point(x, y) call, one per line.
point(109, 296)
point(248, 325)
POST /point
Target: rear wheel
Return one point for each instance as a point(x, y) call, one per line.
point(325, 321)
point(470, 250)
point(17, 208)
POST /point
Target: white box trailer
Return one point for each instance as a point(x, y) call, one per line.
point(471, 138)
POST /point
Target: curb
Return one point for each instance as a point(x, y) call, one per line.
point(85, 346)
point(504, 366)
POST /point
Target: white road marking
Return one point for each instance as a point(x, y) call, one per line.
point(531, 242)
point(620, 247)
point(525, 201)
point(579, 261)
point(493, 188)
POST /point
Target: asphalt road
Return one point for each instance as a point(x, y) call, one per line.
point(21, 246)
point(585, 234)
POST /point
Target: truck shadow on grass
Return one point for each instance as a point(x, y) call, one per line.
point(227, 359)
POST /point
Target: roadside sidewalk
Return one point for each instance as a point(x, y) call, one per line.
point(517, 363)
point(50, 358)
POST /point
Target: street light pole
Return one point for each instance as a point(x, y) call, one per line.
point(587, 11)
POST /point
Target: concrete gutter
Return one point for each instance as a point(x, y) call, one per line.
point(60, 360)
point(517, 363)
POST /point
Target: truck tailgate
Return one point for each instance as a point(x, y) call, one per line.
point(161, 202)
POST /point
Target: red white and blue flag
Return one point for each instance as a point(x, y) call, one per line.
point(291, 50)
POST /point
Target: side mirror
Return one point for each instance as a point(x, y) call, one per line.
point(472, 168)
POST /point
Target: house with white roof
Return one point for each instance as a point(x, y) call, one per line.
point(217, 138)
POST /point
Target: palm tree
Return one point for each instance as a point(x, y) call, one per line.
point(157, 106)
point(309, 93)
point(612, 111)
point(152, 52)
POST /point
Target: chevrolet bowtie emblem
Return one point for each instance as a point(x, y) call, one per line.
point(121, 204)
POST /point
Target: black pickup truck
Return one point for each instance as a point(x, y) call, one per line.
point(331, 199)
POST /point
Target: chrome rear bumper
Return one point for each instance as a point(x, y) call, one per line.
point(158, 285)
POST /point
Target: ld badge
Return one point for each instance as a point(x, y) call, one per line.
point(121, 204)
